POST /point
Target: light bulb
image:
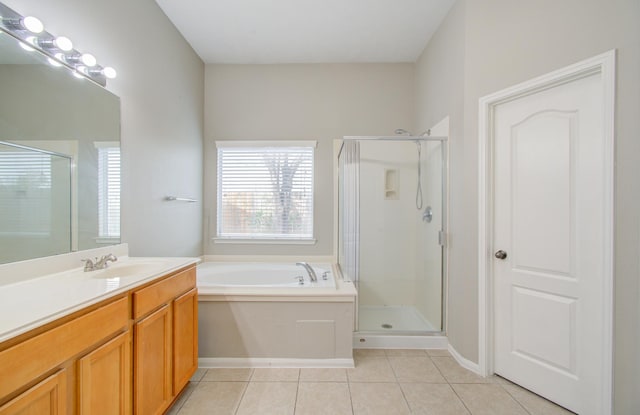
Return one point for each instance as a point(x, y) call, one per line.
point(25, 46)
point(54, 62)
point(63, 43)
point(32, 24)
point(88, 59)
point(109, 72)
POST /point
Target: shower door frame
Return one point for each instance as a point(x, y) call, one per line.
point(442, 233)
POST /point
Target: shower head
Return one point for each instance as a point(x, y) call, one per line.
point(402, 131)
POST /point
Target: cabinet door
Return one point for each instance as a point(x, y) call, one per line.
point(185, 339)
point(152, 362)
point(48, 397)
point(104, 378)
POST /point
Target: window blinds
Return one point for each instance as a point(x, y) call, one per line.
point(265, 192)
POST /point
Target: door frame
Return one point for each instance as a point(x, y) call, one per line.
point(603, 64)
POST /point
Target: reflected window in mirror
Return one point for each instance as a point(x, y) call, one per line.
point(108, 191)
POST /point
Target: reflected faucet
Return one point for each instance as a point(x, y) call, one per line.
point(310, 271)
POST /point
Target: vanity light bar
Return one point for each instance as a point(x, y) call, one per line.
point(30, 32)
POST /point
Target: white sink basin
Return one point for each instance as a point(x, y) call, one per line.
point(127, 270)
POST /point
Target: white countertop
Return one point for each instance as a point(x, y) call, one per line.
point(33, 302)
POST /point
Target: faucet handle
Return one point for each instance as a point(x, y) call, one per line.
point(89, 265)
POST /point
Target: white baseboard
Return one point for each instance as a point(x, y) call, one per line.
point(464, 362)
point(252, 362)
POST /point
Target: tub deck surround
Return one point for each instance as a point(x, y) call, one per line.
point(263, 281)
point(264, 274)
point(37, 298)
point(281, 325)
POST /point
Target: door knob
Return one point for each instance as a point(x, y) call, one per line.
point(500, 254)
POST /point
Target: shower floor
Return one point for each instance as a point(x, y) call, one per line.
point(392, 319)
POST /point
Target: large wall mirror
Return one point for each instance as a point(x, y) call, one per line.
point(59, 158)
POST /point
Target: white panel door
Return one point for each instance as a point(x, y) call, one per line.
point(549, 222)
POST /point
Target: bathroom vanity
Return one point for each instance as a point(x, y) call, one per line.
point(124, 342)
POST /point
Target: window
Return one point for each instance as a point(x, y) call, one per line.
point(265, 190)
point(108, 190)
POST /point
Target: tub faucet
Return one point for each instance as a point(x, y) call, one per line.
point(310, 271)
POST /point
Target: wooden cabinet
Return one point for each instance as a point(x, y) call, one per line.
point(104, 378)
point(165, 340)
point(152, 369)
point(47, 397)
point(39, 373)
point(185, 339)
point(83, 363)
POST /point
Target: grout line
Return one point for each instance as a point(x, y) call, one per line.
point(244, 391)
point(295, 399)
point(460, 398)
point(350, 397)
point(514, 398)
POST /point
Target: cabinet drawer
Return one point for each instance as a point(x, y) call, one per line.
point(34, 357)
point(149, 298)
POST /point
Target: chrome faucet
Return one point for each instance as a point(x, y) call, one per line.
point(310, 271)
point(89, 265)
point(101, 263)
point(104, 261)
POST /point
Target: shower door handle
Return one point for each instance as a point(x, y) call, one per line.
point(500, 254)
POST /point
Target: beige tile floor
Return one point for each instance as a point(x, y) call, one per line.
point(386, 382)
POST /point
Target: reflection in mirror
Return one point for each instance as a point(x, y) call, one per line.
point(59, 159)
point(35, 199)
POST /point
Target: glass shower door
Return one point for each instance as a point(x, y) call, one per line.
point(400, 217)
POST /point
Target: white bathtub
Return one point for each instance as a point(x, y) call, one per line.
point(262, 275)
point(256, 314)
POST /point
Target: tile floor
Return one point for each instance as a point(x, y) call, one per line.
point(386, 382)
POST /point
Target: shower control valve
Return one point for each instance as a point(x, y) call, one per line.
point(300, 279)
point(325, 275)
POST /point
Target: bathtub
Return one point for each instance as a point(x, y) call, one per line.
point(257, 314)
point(262, 274)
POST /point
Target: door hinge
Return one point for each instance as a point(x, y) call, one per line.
point(442, 238)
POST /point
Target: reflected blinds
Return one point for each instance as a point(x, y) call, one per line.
point(25, 192)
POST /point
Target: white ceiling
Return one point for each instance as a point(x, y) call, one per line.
point(306, 31)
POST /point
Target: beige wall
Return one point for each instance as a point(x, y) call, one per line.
point(160, 84)
point(292, 102)
point(506, 42)
point(440, 93)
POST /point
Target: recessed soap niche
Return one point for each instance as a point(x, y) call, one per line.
point(391, 181)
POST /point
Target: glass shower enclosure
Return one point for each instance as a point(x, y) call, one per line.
point(35, 201)
point(391, 227)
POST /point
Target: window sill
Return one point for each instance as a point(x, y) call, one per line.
point(264, 241)
point(107, 240)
